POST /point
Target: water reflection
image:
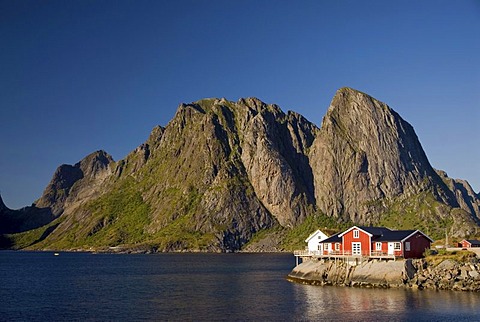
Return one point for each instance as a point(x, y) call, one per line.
point(356, 304)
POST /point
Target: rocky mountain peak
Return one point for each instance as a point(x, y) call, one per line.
point(367, 152)
point(94, 163)
point(222, 171)
point(66, 176)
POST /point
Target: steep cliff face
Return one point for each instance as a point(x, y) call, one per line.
point(274, 155)
point(70, 183)
point(465, 197)
point(364, 153)
point(221, 172)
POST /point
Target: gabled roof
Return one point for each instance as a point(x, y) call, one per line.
point(315, 233)
point(399, 235)
point(371, 231)
point(385, 234)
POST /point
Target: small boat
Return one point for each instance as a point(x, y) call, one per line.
point(56, 254)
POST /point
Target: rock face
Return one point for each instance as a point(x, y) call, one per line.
point(365, 152)
point(367, 273)
point(221, 172)
point(416, 273)
point(61, 188)
point(447, 275)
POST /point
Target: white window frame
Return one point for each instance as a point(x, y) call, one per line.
point(397, 246)
point(354, 246)
point(356, 233)
point(378, 246)
point(337, 246)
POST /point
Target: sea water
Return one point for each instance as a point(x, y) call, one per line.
point(39, 286)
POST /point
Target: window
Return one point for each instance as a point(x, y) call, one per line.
point(356, 248)
point(356, 234)
point(407, 246)
point(337, 246)
point(378, 246)
point(327, 246)
point(397, 246)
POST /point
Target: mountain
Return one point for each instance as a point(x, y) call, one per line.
point(226, 176)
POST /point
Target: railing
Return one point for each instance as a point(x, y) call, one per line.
point(340, 254)
point(306, 252)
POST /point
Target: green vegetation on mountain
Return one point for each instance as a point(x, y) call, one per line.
point(230, 176)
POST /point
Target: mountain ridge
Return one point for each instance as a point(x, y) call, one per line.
point(222, 174)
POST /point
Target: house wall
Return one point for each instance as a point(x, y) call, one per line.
point(465, 244)
point(400, 252)
point(363, 238)
point(332, 248)
point(418, 244)
point(315, 241)
point(384, 247)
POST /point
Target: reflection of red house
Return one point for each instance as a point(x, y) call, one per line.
point(468, 243)
point(377, 241)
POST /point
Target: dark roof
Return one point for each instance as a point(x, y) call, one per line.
point(382, 234)
point(333, 239)
point(393, 235)
point(375, 231)
point(473, 241)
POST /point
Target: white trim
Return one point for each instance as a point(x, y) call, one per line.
point(315, 233)
point(355, 227)
point(359, 244)
point(390, 248)
point(417, 231)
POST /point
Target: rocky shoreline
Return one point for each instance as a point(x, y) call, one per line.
point(446, 274)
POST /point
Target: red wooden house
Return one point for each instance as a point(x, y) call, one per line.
point(468, 243)
point(377, 242)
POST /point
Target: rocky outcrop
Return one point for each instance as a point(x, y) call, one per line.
point(337, 272)
point(447, 275)
point(220, 172)
point(465, 197)
point(416, 274)
point(61, 187)
point(365, 152)
point(274, 149)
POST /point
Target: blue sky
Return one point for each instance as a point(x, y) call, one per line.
point(79, 76)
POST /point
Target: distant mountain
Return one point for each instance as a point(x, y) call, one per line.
point(226, 176)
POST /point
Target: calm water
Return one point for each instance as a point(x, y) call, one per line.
point(80, 286)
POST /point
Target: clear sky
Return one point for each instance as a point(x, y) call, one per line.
point(79, 76)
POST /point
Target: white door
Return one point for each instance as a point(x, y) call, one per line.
point(356, 248)
point(391, 248)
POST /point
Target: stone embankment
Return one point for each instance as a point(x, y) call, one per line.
point(411, 273)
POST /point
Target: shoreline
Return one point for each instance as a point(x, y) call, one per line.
point(411, 274)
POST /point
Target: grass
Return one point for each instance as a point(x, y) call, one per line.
point(462, 256)
point(295, 238)
point(418, 212)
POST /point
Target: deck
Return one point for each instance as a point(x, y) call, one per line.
point(342, 255)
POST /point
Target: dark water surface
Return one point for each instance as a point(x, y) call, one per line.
point(200, 287)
